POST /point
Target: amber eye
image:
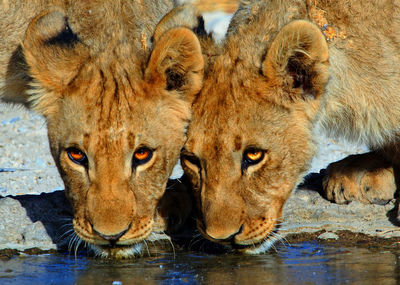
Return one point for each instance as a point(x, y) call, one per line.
point(252, 156)
point(77, 156)
point(141, 156)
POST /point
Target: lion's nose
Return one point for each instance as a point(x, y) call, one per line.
point(112, 238)
point(223, 234)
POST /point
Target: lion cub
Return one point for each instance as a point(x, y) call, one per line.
point(116, 105)
point(285, 67)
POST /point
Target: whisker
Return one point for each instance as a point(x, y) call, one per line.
point(172, 245)
point(141, 253)
point(282, 239)
point(69, 219)
point(77, 244)
point(193, 242)
point(155, 248)
point(66, 225)
point(76, 239)
point(147, 248)
point(202, 247)
point(273, 246)
point(67, 233)
point(70, 242)
point(195, 239)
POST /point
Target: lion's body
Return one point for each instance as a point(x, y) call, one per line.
point(365, 60)
point(277, 77)
point(116, 102)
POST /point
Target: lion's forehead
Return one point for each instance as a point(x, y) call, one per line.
point(111, 102)
point(120, 125)
point(122, 137)
point(235, 128)
point(237, 104)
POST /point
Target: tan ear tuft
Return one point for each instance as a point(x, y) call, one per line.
point(181, 16)
point(298, 58)
point(176, 62)
point(54, 55)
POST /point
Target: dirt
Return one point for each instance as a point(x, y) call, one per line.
point(347, 239)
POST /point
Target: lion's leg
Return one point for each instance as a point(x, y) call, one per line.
point(368, 178)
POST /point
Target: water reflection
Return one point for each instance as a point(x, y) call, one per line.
point(305, 263)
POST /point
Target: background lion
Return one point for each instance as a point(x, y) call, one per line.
point(116, 102)
point(285, 67)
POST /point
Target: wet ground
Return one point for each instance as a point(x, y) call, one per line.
point(298, 263)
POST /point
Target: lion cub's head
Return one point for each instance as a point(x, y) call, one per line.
point(250, 138)
point(115, 126)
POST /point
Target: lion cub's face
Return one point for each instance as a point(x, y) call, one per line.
point(250, 139)
point(115, 132)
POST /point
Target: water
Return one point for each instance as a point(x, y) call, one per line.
point(304, 263)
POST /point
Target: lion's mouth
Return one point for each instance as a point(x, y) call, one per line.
point(247, 246)
point(115, 251)
point(154, 242)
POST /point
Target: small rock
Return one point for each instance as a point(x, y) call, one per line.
point(13, 218)
point(328, 235)
point(36, 232)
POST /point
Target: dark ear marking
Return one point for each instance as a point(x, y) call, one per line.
point(175, 80)
point(200, 29)
point(66, 37)
point(301, 74)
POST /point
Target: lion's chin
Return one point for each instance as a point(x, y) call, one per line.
point(117, 252)
point(260, 247)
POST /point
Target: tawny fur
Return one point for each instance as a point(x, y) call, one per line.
point(106, 87)
point(284, 68)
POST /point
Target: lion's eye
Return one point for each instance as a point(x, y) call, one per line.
point(191, 158)
point(77, 156)
point(251, 157)
point(254, 155)
point(141, 156)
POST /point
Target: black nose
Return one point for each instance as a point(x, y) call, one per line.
point(112, 238)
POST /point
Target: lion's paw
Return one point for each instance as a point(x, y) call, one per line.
point(366, 178)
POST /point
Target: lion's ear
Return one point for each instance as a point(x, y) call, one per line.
point(298, 60)
point(176, 63)
point(52, 51)
point(181, 16)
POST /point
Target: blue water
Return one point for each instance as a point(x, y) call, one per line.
point(304, 263)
